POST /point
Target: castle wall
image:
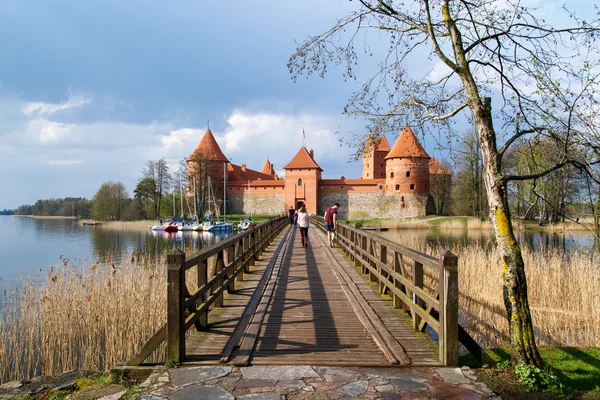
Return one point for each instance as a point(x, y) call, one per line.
point(261, 203)
point(379, 204)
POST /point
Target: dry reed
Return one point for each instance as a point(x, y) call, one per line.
point(81, 317)
point(563, 295)
point(122, 225)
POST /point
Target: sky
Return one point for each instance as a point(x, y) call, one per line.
point(91, 90)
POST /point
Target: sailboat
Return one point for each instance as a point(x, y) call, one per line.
point(246, 223)
point(193, 225)
point(172, 226)
point(219, 226)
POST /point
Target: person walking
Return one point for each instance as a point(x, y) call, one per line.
point(303, 221)
point(291, 213)
point(331, 222)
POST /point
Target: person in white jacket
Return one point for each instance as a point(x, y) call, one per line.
point(303, 222)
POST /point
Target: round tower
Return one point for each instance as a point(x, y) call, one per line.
point(407, 166)
point(207, 164)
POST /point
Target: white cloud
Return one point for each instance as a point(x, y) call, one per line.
point(41, 108)
point(252, 137)
point(181, 137)
point(46, 131)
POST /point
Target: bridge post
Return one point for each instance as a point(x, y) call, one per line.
point(238, 249)
point(449, 309)
point(417, 282)
point(383, 258)
point(252, 245)
point(228, 258)
point(397, 302)
point(175, 311)
point(202, 281)
point(218, 269)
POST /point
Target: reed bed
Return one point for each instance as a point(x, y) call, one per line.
point(563, 294)
point(470, 224)
point(122, 225)
point(81, 317)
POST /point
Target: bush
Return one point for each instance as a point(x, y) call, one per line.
point(537, 380)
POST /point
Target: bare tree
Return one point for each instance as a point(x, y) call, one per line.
point(543, 78)
point(158, 173)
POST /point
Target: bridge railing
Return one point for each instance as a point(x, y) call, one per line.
point(209, 273)
point(425, 286)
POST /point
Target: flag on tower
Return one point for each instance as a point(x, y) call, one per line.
point(303, 134)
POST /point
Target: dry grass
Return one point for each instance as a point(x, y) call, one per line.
point(471, 224)
point(563, 295)
point(122, 225)
point(81, 317)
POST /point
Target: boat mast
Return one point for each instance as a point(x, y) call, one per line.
point(174, 211)
point(195, 215)
point(181, 195)
point(225, 192)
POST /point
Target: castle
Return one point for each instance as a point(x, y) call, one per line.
point(394, 182)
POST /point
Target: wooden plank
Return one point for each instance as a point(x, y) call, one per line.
point(147, 349)
point(250, 335)
point(242, 327)
point(388, 344)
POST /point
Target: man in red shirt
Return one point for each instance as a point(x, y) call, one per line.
point(331, 222)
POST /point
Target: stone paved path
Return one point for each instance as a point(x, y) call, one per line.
point(305, 382)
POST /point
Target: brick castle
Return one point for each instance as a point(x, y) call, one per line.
point(394, 182)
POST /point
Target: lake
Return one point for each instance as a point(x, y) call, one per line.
point(30, 244)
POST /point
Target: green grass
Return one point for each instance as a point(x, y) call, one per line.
point(258, 218)
point(577, 368)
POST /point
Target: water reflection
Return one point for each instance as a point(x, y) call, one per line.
point(565, 242)
point(30, 244)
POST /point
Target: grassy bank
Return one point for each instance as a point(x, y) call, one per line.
point(569, 372)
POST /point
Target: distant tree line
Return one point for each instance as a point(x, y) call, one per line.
point(7, 212)
point(67, 207)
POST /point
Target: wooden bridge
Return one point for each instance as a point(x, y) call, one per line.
point(260, 298)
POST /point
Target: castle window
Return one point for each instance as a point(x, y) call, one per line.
point(380, 187)
point(367, 174)
point(412, 186)
point(397, 187)
point(300, 182)
point(367, 165)
point(391, 174)
point(382, 165)
point(408, 174)
point(426, 186)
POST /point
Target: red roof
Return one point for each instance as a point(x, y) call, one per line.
point(407, 145)
point(353, 182)
point(436, 167)
point(268, 168)
point(380, 144)
point(237, 173)
point(302, 160)
point(383, 145)
point(208, 149)
point(257, 183)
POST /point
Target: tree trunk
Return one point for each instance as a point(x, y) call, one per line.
point(521, 332)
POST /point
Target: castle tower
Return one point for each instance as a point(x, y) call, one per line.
point(407, 166)
point(302, 176)
point(374, 154)
point(207, 160)
point(269, 169)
